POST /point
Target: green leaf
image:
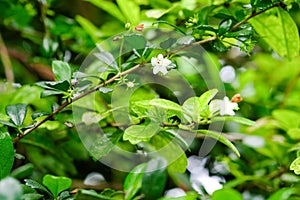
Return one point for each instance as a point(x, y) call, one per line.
point(279, 31)
point(32, 196)
point(165, 147)
point(283, 194)
point(103, 144)
point(195, 107)
point(228, 193)
point(92, 195)
point(240, 120)
point(220, 138)
point(8, 124)
point(107, 58)
point(10, 189)
point(56, 86)
point(295, 166)
point(61, 70)
point(170, 24)
point(287, 118)
point(36, 185)
point(225, 26)
point(154, 179)
point(178, 139)
point(110, 8)
point(23, 171)
point(166, 44)
point(6, 154)
point(135, 41)
point(141, 133)
point(56, 184)
point(47, 93)
point(17, 113)
point(130, 10)
point(39, 114)
point(105, 90)
point(89, 27)
point(294, 133)
point(206, 28)
point(133, 181)
point(172, 109)
point(219, 46)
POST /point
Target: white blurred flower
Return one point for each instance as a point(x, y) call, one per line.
point(94, 179)
point(200, 177)
point(161, 64)
point(209, 183)
point(175, 192)
point(225, 106)
point(227, 74)
point(130, 84)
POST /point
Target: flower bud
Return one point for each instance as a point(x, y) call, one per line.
point(127, 26)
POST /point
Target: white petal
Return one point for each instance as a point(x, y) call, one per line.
point(175, 192)
point(163, 70)
point(156, 69)
point(166, 62)
point(160, 57)
point(153, 61)
point(214, 106)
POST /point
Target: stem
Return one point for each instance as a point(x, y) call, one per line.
point(66, 103)
point(6, 62)
point(251, 16)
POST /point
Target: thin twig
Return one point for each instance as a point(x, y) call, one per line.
point(6, 62)
point(65, 104)
point(251, 16)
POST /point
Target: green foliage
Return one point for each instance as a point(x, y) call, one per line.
point(220, 138)
point(140, 133)
point(281, 34)
point(67, 114)
point(6, 155)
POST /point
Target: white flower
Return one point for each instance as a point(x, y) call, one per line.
point(225, 107)
point(175, 192)
point(130, 84)
point(161, 64)
point(200, 177)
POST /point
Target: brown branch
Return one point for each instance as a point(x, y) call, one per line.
point(66, 103)
point(6, 62)
point(43, 71)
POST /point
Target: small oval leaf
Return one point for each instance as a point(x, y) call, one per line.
point(56, 184)
point(62, 70)
point(17, 113)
